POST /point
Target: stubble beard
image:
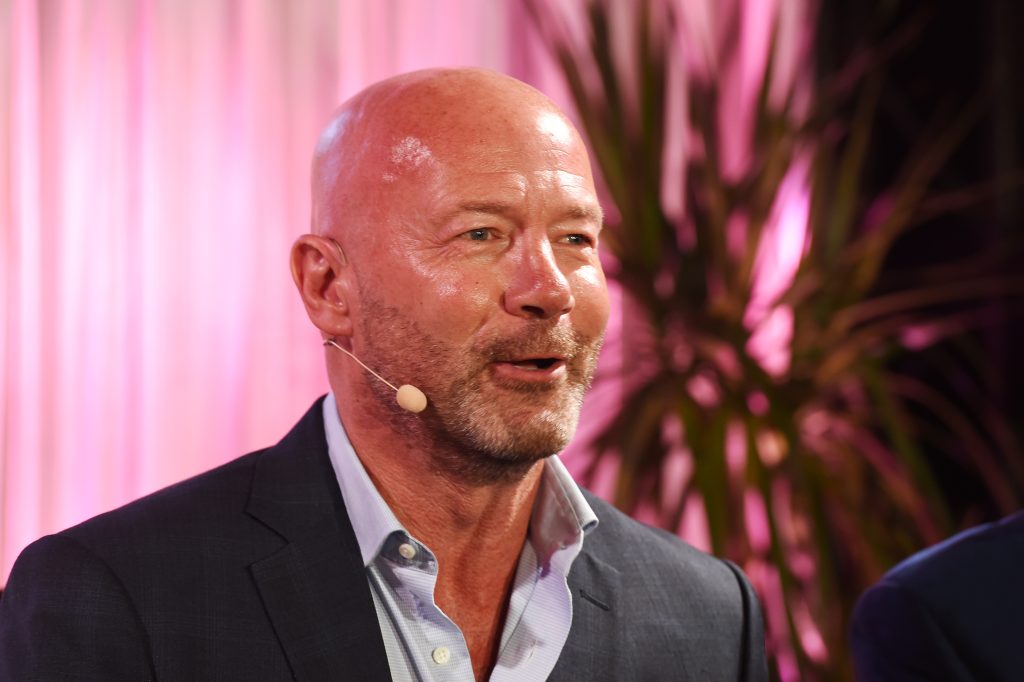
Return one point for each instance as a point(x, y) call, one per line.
point(478, 428)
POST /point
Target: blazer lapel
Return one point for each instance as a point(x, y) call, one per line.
point(592, 650)
point(314, 588)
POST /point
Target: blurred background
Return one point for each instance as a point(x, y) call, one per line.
point(814, 246)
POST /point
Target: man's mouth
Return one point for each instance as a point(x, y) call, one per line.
point(542, 368)
point(536, 363)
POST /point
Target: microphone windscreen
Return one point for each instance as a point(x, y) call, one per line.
point(411, 398)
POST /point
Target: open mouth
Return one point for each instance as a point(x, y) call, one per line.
point(535, 363)
point(546, 370)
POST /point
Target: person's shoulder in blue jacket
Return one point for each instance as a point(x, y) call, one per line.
point(954, 611)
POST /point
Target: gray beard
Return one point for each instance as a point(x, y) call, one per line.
point(469, 435)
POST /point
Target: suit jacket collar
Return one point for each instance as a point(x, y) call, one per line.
point(314, 587)
point(590, 652)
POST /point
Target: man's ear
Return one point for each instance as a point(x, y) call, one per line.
point(318, 268)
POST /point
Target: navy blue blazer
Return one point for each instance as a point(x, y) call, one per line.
point(952, 612)
point(252, 572)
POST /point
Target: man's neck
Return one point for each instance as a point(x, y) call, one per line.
point(475, 529)
point(450, 514)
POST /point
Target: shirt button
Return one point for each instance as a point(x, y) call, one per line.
point(441, 655)
point(407, 550)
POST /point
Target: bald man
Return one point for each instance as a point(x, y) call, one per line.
point(454, 250)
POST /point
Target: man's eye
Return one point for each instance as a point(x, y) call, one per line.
point(479, 235)
point(579, 240)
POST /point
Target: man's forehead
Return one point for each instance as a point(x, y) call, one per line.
point(573, 183)
point(555, 127)
point(523, 159)
point(408, 117)
point(565, 195)
point(425, 131)
point(464, 108)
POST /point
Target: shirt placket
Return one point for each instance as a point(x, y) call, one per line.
point(435, 646)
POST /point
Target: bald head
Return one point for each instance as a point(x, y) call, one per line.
point(405, 129)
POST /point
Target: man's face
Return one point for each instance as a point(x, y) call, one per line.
point(482, 284)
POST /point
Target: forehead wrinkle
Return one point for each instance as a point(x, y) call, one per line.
point(556, 186)
point(585, 212)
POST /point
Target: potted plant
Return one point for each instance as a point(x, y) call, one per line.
point(760, 409)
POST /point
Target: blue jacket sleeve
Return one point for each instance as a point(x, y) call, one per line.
point(894, 638)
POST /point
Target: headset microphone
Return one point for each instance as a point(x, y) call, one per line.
point(408, 397)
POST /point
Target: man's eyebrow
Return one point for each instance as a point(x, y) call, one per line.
point(574, 212)
point(591, 212)
point(493, 207)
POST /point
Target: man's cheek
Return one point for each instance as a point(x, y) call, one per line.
point(591, 294)
point(466, 291)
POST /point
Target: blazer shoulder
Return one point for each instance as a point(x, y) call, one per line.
point(956, 607)
point(66, 614)
point(199, 501)
point(894, 636)
point(213, 504)
point(635, 546)
point(990, 556)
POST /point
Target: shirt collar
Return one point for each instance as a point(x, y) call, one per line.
point(561, 515)
point(371, 517)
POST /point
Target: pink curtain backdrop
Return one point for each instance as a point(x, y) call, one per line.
point(156, 168)
point(156, 174)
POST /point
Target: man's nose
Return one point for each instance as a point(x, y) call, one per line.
point(538, 288)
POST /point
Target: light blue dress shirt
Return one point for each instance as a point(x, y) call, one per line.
point(422, 643)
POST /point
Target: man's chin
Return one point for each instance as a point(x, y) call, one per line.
point(523, 435)
point(500, 429)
